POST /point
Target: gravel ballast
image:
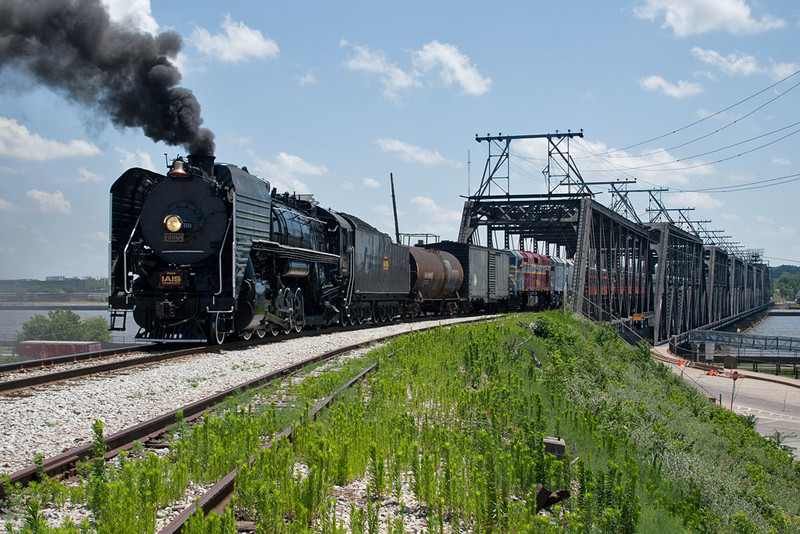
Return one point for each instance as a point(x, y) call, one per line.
point(48, 420)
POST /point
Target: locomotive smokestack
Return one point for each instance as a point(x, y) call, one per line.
point(204, 161)
point(73, 47)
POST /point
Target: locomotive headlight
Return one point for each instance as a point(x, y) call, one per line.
point(173, 223)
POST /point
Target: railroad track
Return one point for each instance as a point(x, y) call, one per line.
point(219, 496)
point(42, 363)
point(157, 426)
point(64, 368)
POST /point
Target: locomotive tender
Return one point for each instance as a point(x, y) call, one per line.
point(208, 250)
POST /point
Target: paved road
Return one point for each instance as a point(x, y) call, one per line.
point(775, 405)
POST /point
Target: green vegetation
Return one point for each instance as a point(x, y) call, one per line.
point(450, 428)
point(64, 325)
point(780, 270)
point(788, 285)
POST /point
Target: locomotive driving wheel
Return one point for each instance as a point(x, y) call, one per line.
point(261, 333)
point(287, 304)
point(247, 335)
point(299, 315)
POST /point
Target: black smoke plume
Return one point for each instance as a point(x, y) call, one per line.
point(73, 47)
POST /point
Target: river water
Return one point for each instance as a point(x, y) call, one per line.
point(777, 325)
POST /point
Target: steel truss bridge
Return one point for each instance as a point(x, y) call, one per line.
point(670, 273)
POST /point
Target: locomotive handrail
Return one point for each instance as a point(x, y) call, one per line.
point(125, 256)
point(221, 250)
point(352, 283)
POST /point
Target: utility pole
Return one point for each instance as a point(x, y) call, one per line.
point(394, 208)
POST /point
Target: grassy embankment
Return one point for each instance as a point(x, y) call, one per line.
point(449, 433)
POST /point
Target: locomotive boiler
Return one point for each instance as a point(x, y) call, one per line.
point(208, 250)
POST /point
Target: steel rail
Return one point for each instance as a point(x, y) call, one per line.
point(38, 363)
point(8, 386)
point(220, 494)
point(124, 439)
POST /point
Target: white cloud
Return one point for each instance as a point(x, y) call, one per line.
point(5, 169)
point(241, 141)
point(9, 207)
point(134, 13)
point(349, 186)
point(453, 67)
point(369, 182)
point(435, 219)
point(682, 90)
point(85, 175)
point(308, 78)
point(743, 64)
point(282, 174)
point(17, 142)
point(9, 251)
point(413, 154)
point(655, 167)
point(691, 199)
point(236, 43)
point(50, 202)
point(393, 78)
point(765, 220)
point(781, 162)
point(139, 159)
point(691, 17)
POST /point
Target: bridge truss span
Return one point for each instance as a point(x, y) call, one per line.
point(658, 274)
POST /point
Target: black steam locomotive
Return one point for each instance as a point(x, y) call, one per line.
point(207, 251)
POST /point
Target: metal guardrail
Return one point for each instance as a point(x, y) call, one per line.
point(684, 337)
point(747, 341)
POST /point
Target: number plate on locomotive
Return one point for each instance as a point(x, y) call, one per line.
point(173, 238)
point(170, 279)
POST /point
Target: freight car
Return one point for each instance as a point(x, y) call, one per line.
point(486, 275)
point(208, 250)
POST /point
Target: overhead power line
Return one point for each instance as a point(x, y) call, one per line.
point(760, 184)
point(695, 123)
point(652, 166)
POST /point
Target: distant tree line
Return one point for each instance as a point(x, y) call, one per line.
point(780, 270)
point(66, 285)
point(786, 281)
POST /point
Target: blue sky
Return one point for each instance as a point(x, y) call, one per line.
point(330, 97)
